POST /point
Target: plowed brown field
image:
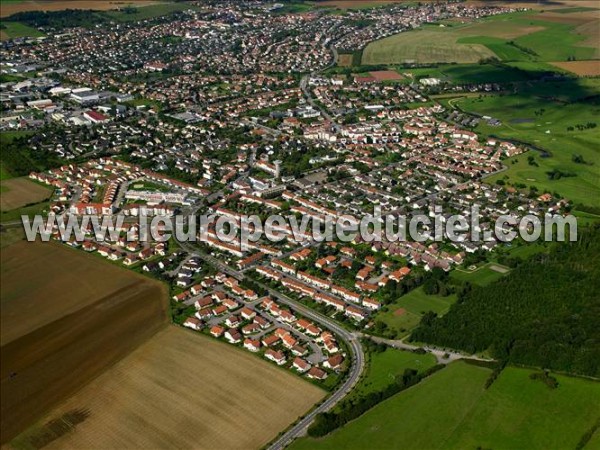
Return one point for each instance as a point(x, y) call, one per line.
point(66, 317)
point(180, 390)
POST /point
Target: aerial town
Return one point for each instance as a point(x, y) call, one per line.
point(159, 138)
point(240, 108)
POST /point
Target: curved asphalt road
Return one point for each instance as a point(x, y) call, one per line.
point(352, 342)
point(356, 368)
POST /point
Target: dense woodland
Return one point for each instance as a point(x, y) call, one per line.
point(545, 313)
point(58, 19)
point(20, 160)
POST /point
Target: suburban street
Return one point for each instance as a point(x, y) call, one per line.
point(351, 340)
point(356, 369)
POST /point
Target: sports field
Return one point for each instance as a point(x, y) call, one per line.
point(345, 59)
point(481, 276)
point(18, 192)
point(182, 390)
point(65, 317)
point(405, 313)
point(452, 410)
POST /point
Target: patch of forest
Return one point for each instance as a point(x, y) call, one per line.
point(545, 313)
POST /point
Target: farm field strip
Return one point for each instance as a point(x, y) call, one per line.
point(18, 192)
point(57, 307)
point(512, 37)
point(10, 8)
point(462, 414)
point(184, 390)
point(581, 68)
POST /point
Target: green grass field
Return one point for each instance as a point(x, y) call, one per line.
point(540, 116)
point(8, 136)
point(14, 215)
point(294, 8)
point(526, 251)
point(481, 276)
point(414, 304)
point(509, 37)
point(451, 410)
point(423, 46)
point(586, 218)
point(12, 30)
point(4, 174)
point(482, 73)
point(385, 366)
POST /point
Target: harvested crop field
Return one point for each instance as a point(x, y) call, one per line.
point(423, 46)
point(464, 43)
point(18, 192)
point(386, 75)
point(534, 4)
point(356, 4)
point(576, 18)
point(13, 7)
point(345, 59)
point(182, 390)
point(581, 68)
point(66, 317)
point(452, 410)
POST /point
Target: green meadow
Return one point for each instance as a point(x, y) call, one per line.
point(405, 313)
point(481, 276)
point(551, 42)
point(13, 30)
point(452, 410)
point(509, 37)
point(552, 116)
point(384, 367)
